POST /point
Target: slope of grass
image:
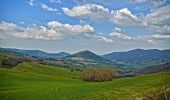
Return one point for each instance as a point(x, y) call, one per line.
point(45, 69)
point(31, 81)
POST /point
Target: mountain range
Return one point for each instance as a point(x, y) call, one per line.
point(129, 60)
point(140, 58)
point(38, 53)
point(148, 70)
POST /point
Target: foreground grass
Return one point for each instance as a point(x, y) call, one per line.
point(31, 81)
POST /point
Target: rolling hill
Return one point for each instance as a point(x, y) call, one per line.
point(123, 61)
point(90, 59)
point(87, 55)
point(139, 57)
point(149, 70)
point(37, 53)
point(32, 81)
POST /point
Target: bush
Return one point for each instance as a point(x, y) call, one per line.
point(10, 61)
point(97, 74)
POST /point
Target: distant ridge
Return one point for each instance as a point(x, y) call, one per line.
point(38, 53)
point(150, 69)
point(86, 54)
point(137, 58)
point(140, 57)
point(90, 59)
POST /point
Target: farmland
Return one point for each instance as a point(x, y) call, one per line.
point(32, 81)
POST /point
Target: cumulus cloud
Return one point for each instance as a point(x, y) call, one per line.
point(70, 29)
point(8, 30)
point(157, 15)
point(121, 16)
point(154, 20)
point(55, 30)
point(48, 8)
point(93, 11)
point(124, 16)
point(97, 12)
point(118, 33)
point(85, 10)
point(153, 38)
point(30, 2)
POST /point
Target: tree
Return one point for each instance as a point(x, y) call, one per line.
point(98, 74)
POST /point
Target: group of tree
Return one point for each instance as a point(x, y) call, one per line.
point(8, 62)
point(98, 74)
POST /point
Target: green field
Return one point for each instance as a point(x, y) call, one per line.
point(31, 81)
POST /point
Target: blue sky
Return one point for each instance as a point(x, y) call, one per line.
point(101, 26)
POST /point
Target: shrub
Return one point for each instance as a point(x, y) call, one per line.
point(97, 74)
point(10, 61)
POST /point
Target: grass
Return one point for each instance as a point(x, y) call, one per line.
point(31, 81)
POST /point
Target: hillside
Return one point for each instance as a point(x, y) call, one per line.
point(140, 58)
point(11, 55)
point(26, 82)
point(90, 59)
point(86, 56)
point(153, 69)
point(37, 53)
point(148, 70)
point(44, 69)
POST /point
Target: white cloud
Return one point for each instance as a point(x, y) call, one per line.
point(104, 39)
point(93, 11)
point(41, 32)
point(85, 10)
point(154, 3)
point(161, 29)
point(157, 20)
point(56, 1)
point(154, 38)
point(118, 33)
point(8, 30)
point(98, 12)
point(124, 16)
point(55, 30)
point(157, 15)
point(154, 19)
point(160, 37)
point(48, 8)
point(70, 29)
point(30, 2)
point(99, 37)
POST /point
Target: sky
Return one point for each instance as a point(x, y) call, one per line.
point(101, 26)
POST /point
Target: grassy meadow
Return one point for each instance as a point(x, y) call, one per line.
point(32, 81)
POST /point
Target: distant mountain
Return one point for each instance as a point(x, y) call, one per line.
point(149, 70)
point(139, 57)
point(90, 59)
point(86, 55)
point(37, 53)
